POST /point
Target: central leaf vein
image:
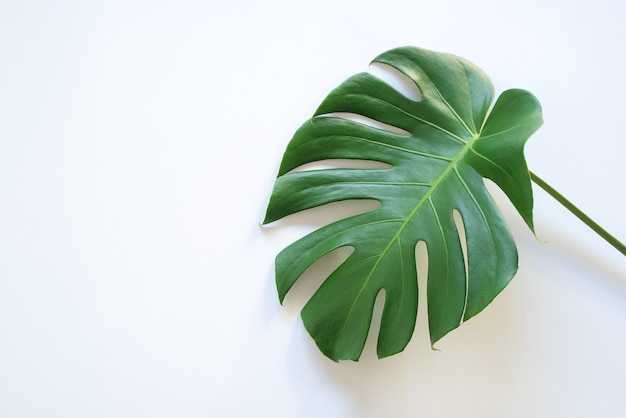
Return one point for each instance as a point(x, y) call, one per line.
point(426, 198)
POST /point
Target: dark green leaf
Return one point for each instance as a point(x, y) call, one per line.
point(437, 169)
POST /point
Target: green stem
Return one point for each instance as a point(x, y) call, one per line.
point(580, 214)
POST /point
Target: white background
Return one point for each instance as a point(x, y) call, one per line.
point(139, 141)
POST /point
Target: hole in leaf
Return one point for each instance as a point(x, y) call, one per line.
point(396, 79)
point(421, 261)
point(421, 257)
point(460, 227)
point(342, 163)
point(364, 120)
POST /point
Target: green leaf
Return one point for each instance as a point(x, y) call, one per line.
point(435, 170)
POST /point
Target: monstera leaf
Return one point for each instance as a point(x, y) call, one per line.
point(441, 147)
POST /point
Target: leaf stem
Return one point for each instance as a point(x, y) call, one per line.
point(579, 214)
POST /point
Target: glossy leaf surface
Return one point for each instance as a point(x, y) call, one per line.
point(438, 148)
